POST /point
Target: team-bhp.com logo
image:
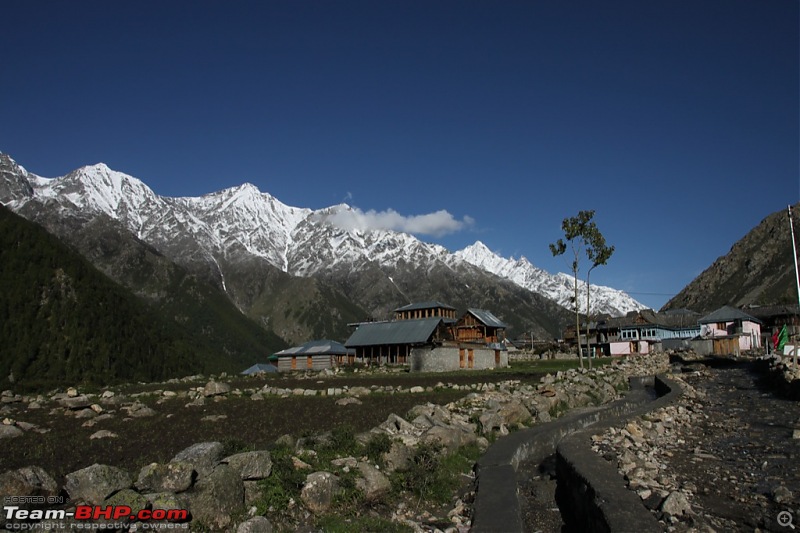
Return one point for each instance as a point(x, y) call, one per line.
point(14, 515)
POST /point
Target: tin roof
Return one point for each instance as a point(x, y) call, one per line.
point(395, 332)
point(318, 347)
point(260, 367)
point(487, 318)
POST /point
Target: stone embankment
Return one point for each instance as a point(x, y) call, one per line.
point(221, 492)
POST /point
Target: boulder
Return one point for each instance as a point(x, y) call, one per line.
point(102, 434)
point(203, 456)
point(257, 524)
point(129, 498)
point(27, 481)
point(676, 504)
point(514, 413)
point(176, 476)
point(77, 402)
point(490, 421)
point(215, 388)
point(449, 438)
point(395, 425)
point(165, 501)
point(319, 490)
point(139, 410)
point(9, 432)
point(398, 458)
point(216, 497)
point(251, 465)
point(372, 482)
point(95, 483)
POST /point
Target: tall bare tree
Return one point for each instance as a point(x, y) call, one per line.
point(584, 240)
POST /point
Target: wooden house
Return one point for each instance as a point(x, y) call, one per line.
point(480, 326)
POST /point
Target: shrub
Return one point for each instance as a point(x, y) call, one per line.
point(436, 477)
point(379, 444)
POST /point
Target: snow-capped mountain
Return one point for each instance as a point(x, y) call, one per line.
point(229, 223)
point(232, 237)
point(559, 287)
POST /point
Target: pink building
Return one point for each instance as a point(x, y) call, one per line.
point(729, 328)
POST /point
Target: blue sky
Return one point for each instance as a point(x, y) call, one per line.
point(677, 121)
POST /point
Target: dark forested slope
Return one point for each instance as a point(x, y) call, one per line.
point(63, 321)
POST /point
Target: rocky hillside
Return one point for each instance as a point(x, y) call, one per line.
point(757, 270)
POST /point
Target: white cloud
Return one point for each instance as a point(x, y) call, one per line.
point(436, 224)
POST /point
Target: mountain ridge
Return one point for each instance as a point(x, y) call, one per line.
point(757, 270)
point(215, 234)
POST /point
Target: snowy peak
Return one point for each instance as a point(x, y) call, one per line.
point(558, 287)
point(240, 223)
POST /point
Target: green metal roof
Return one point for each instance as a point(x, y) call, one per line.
point(395, 332)
point(487, 318)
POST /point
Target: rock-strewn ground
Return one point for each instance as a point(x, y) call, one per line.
point(723, 458)
point(222, 489)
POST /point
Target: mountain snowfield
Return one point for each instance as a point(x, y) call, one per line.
point(559, 287)
point(243, 222)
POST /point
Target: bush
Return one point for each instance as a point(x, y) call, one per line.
point(436, 477)
point(379, 444)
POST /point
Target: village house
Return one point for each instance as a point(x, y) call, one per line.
point(728, 331)
point(428, 337)
point(391, 342)
point(640, 332)
point(480, 325)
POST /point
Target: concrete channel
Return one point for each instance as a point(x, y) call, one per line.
point(590, 493)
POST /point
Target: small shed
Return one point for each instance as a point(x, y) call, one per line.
point(259, 368)
point(313, 355)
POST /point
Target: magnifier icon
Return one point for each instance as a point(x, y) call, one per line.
point(785, 519)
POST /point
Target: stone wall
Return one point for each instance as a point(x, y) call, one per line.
point(447, 359)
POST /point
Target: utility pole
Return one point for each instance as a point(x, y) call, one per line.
point(796, 279)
